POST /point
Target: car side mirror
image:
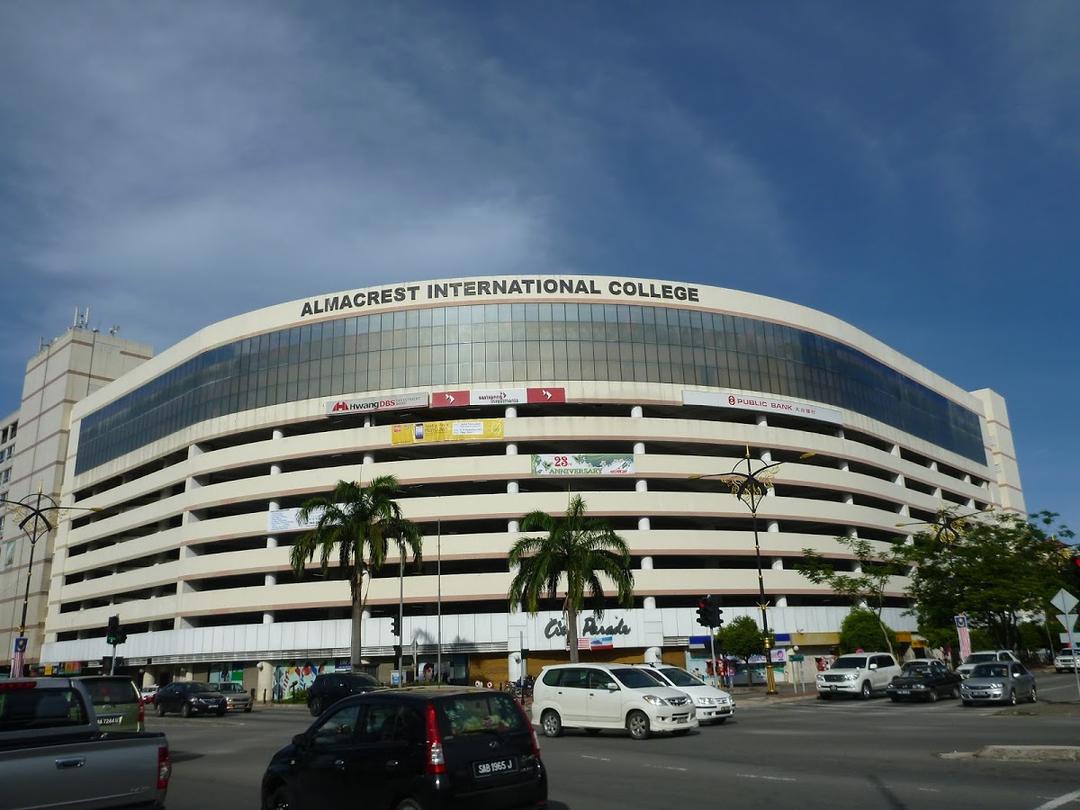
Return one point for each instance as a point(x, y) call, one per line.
point(613, 687)
point(300, 740)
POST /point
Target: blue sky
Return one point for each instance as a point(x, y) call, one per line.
point(912, 169)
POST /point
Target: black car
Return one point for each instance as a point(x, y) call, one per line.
point(924, 680)
point(432, 748)
point(188, 698)
point(328, 689)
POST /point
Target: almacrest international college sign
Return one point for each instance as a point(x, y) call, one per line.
point(502, 287)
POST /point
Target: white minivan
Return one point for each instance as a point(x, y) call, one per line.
point(599, 696)
point(711, 705)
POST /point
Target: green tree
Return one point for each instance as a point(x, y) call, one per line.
point(866, 585)
point(575, 551)
point(862, 630)
point(742, 638)
point(991, 569)
point(357, 524)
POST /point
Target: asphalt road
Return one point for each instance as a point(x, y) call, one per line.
point(800, 753)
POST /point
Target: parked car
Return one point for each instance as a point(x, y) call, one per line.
point(427, 747)
point(1066, 661)
point(188, 698)
point(711, 705)
point(237, 698)
point(53, 754)
point(998, 682)
point(117, 703)
point(331, 687)
point(984, 657)
point(860, 674)
point(924, 680)
point(599, 696)
point(147, 693)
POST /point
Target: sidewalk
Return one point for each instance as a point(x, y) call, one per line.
point(754, 695)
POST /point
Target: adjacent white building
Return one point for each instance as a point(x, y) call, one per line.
point(488, 398)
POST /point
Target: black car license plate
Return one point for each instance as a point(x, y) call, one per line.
point(110, 720)
point(494, 766)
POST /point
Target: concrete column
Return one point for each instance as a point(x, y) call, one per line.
point(937, 493)
point(636, 412)
point(839, 433)
point(856, 567)
point(932, 466)
point(268, 617)
point(772, 526)
point(777, 564)
point(270, 579)
point(852, 532)
point(513, 666)
point(513, 527)
point(368, 459)
point(903, 510)
point(512, 487)
point(641, 485)
point(762, 420)
point(367, 421)
point(511, 449)
point(781, 601)
point(147, 679)
point(511, 412)
point(264, 685)
point(849, 499)
point(644, 524)
point(646, 563)
point(842, 464)
point(895, 450)
point(652, 655)
point(900, 481)
point(275, 469)
point(278, 434)
point(639, 448)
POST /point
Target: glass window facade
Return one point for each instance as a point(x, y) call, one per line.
point(492, 344)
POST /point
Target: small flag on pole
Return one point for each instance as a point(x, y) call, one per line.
point(583, 644)
point(965, 636)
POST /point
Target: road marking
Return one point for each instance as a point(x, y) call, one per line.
point(930, 790)
point(772, 778)
point(600, 759)
point(665, 767)
point(1059, 801)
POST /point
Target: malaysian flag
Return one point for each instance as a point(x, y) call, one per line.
point(583, 643)
point(965, 636)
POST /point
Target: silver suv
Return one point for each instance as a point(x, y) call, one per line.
point(860, 674)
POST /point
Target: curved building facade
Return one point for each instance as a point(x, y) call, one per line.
point(488, 398)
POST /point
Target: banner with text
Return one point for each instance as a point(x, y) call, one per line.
point(583, 464)
point(397, 402)
point(749, 402)
point(455, 431)
point(497, 396)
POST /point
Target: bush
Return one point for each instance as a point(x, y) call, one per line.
point(862, 630)
point(297, 694)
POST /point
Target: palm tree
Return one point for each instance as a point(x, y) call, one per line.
point(578, 548)
point(359, 522)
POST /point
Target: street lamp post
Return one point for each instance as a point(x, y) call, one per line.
point(35, 524)
point(750, 487)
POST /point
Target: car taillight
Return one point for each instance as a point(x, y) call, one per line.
point(142, 711)
point(11, 686)
point(436, 760)
point(532, 731)
point(164, 767)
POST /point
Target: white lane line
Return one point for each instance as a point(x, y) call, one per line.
point(599, 759)
point(770, 778)
point(1059, 801)
point(930, 790)
point(665, 767)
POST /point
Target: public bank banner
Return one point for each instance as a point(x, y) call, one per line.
point(753, 402)
point(449, 431)
point(583, 464)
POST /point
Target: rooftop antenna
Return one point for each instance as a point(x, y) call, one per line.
point(82, 318)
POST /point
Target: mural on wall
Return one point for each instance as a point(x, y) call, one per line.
point(293, 677)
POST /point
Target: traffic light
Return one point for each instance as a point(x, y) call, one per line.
point(703, 612)
point(715, 616)
point(112, 634)
point(395, 626)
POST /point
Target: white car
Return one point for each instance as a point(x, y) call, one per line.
point(859, 674)
point(617, 696)
point(711, 705)
point(985, 657)
point(1066, 661)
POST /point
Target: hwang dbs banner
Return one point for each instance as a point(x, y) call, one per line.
point(583, 464)
point(455, 431)
point(398, 402)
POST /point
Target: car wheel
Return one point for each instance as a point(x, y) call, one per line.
point(720, 721)
point(592, 732)
point(1034, 695)
point(1012, 698)
point(315, 707)
point(279, 799)
point(551, 723)
point(822, 695)
point(221, 713)
point(682, 732)
point(866, 691)
point(247, 710)
point(894, 698)
point(637, 723)
point(967, 703)
point(955, 693)
point(408, 804)
point(160, 710)
point(933, 696)
point(185, 710)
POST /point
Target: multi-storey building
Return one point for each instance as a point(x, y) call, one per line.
point(33, 449)
point(489, 398)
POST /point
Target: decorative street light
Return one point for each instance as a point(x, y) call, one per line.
point(33, 513)
point(750, 486)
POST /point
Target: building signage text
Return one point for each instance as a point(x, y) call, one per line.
point(582, 464)
point(590, 627)
point(751, 402)
point(339, 407)
point(479, 288)
point(497, 396)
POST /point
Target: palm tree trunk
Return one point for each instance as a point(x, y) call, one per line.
point(571, 630)
point(356, 647)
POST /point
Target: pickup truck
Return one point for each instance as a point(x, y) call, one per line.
point(53, 754)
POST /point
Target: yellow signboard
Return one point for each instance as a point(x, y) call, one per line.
point(458, 430)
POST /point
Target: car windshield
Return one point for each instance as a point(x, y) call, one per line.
point(990, 671)
point(110, 690)
point(916, 669)
point(479, 713)
point(229, 687)
point(850, 662)
point(200, 687)
point(975, 658)
point(635, 678)
point(680, 677)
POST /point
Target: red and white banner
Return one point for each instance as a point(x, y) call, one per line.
point(397, 402)
point(497, 396)
point(753, 402)
point(965, 636)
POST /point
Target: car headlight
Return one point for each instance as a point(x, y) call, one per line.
point(705, 701)
point(851, 676)
point(997, 686)
point(918, 686)
point(821, 678)
point(654, 700)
